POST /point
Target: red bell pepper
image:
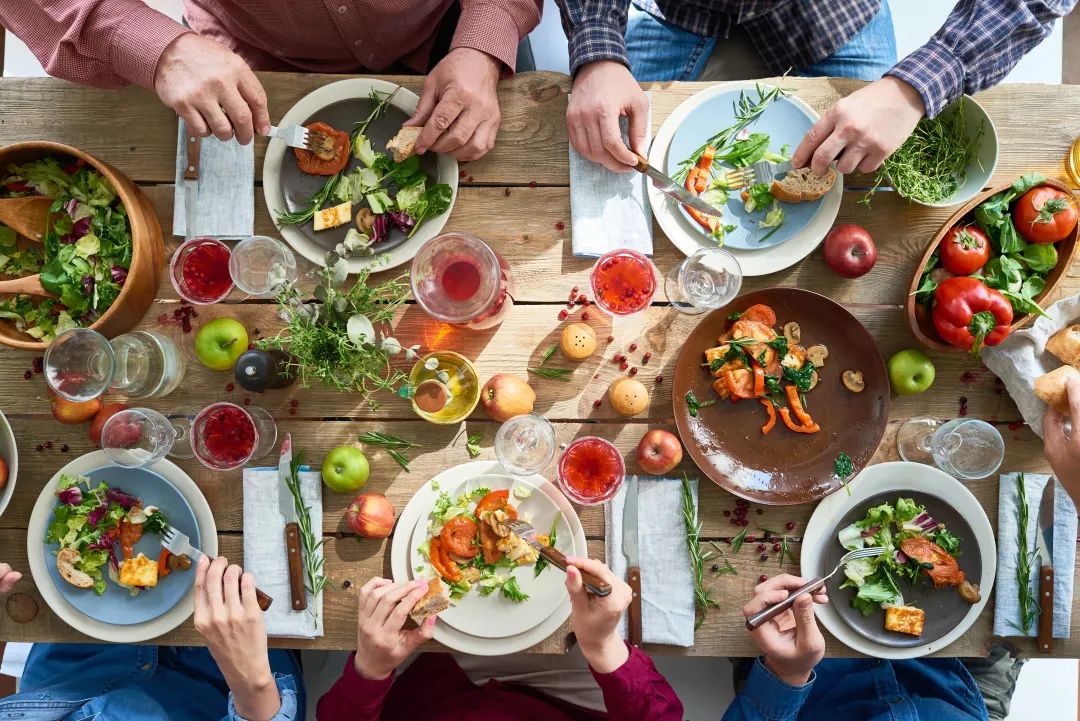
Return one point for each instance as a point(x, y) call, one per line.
point(772, 416)
point(697, 181)
point(968, 314)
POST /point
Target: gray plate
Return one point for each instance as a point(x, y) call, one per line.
point(297, 187)
point(944, 607)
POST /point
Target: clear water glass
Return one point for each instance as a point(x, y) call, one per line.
point(80, 364)
point(525, 444)
point(708, 279)
point(138, 437)
point(965, 448)
point(261, 266)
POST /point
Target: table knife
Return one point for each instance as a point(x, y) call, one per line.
point(670, 188)
point(1045, 541)
point(526, 532)
point(631, 551)
point(292, 528)
point(191, 184)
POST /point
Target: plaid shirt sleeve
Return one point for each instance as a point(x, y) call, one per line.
point(596, 30)
point(977, 46)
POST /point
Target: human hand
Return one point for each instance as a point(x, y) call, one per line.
point(791, 642)
point(863, 129)
point(596, 618)
point(381, 641)
point(229, 618)
point(8, 578)
point(1063, 451)
point(459, 105)
point(212, 89)
point(604, 91)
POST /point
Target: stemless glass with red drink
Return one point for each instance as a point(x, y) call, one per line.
point(591, 471)
point(623, 282)
point(457, 278)
point(199, 271)
point(225, 436)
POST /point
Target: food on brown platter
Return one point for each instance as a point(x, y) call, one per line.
point(659, 451)
point(578, 341)
point(403, 145)
point(434, 602)
point(326, 161)
point(905, 619)
point(853, 381)
point(1050, 388)
point(629, 396)
point(505, 396)
point(370, 515)
point(104, 413)
point(942, 570)
point(1065, 344)
point(969, 592)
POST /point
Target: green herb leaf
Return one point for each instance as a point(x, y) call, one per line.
point(697, 557)
point(738, 541)
point(472, 445)
point(391, 444)
point(548, 353)
point(557, 374)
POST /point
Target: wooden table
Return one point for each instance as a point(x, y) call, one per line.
point(517, 198)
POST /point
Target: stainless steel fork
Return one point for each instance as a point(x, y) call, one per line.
point(180, 545)
point(777, 608)
point(297, 136)
point(760, 172)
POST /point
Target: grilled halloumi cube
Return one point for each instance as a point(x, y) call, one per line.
point(517, 550)
point(139, 571)
point(334, 216)
point(905, 619)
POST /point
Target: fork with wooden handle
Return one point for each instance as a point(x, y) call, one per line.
point(770, 612)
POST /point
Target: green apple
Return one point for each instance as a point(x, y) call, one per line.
point(345, 469)
point(220, 342)
point(910, 372)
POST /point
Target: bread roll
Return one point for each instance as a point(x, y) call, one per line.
point(1065, 344)
point(1050, 388)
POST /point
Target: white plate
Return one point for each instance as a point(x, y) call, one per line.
point(683, 232)
point(473, 614)
point(353, 88)
point(420, 505)
point(35, 533)
point(897, 477)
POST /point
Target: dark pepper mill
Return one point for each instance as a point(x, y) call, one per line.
point(260, 370)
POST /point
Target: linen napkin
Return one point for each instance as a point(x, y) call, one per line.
point(609, 210)
point(1020, 359)
point(264, 549)
point(226, 206)
point(1006, 603)
point(667, 581)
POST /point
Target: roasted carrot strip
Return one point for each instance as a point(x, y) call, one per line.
point(759, 381)
point(163, 563)
point(796, 404)
point(785, 415)
point(772, 416)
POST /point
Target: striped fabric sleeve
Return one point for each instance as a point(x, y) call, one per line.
point(596, 30)
point(980, 42)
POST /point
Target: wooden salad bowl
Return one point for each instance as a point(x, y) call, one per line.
point(147, 252)
point(918, 314)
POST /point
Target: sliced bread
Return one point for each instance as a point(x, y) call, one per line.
point(435, 601)
point(801, 185)
point(403, 145)
point(1050, 388)
point(1065, 344)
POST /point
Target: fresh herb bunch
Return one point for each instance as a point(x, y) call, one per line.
point(932, 162)
point(332, 339)
point(1025, 562)
point(698, 557)
point(314, 579)
point(391, 444)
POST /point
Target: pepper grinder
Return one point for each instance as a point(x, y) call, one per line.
point(260, 370)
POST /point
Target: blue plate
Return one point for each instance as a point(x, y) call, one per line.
point(117, 606)
point(786, 123)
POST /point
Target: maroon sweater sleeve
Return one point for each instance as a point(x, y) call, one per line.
point(353, 697)
point(636, 690)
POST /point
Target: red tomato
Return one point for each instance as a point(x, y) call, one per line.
point(1045, 214)
point(964, 250)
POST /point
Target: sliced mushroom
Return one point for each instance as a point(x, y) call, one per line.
point(792, 332)
point(817, 354)
point(854, 381)
point(365, 220)
point(65, 564)
point(970, 592)
point(813, 381)
point(178, 563)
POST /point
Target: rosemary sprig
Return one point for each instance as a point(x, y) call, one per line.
point(391, 444)
point(1025, 561)
point(697, 556)
point(548, 353)
point(727, 568)
point(785, 550)
point(737, 542)
point(555, 374)
point(313, 560)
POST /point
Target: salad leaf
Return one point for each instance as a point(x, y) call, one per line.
point(907, 510)
point(379, 201)
point(408, 196)
point(758, 197)
point(947, 540)
point(1023, 304)
point(1039, 257)
point(362, 150)
point(1003, 273)
point(1032, 286)
point(877, 590)
point(773, 218)
point(512, 591)
point(859, 570)
point(745, 152)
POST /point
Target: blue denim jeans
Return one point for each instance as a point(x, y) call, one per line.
point(660, 51)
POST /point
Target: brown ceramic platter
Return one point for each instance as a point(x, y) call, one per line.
point(943, 606)
point(784, 467)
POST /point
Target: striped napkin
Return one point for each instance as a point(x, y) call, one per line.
point(264, 549)
point(226, 206)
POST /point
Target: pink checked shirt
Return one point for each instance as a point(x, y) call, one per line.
point(110, 43)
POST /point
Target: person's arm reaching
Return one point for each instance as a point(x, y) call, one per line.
point(632, 687)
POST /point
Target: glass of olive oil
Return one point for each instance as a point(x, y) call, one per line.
point(447, 392)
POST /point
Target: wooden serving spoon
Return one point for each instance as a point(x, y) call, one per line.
point(27, 285)
point(29, 217)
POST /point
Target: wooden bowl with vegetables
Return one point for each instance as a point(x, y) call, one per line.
point(989, 268)
point(100, 260)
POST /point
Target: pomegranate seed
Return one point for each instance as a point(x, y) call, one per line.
point(744, 522)
point(775, 547)
point(294, 403)
point(47, 444)
point(28, 375)
point(194, 313)
point(659, 380)
point(581, 299)
point(790, 525)
point(623, 365)
point(560, 225)
point(762, 578)
point(633, 347)
point(38, 364)
point(596, 403)
point(633, 371)
point(533, 184)
point(506, 192)
point(763, 557)
point(584, 302)
point(761, 547)
point(585, 315)
point(183, 302)
point(575, 289)
point(727, 513)
point(64, 448)
point(462, 173)
point(645, 358)
point(40, 447)
point(750, 539)
point(562, 315)
point(229, 388)
point(292, 411)
point(470, 179)
point(610, 338)
point(247, 401)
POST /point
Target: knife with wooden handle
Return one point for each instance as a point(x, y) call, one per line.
point(191, 183)
point(294, 554)
point(1045, 541)
point(633, 569)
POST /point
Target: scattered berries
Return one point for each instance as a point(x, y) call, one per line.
point(294, 403)
point(533, 184)
point(775, 547)
point(563, 314)
point(645, 358)
point(633, 347)
point(762, 578)
point(623, 365)
point(750, 539)
point(64, 448)
point(633, 371)
point(727, 513)
point(763, 557)
point(761, 547)
point(28, 375)
point(292, 411)
point(47, 444)
point(790, 525)
point(247, 401)
point(585, 315)
point(229, 388)
point(560, 225)
point(659, 380)
point(38, 364)
point(575, 289)
point(610, 338)
point(40, 447)
point(715, 568)
point(506, 192)
point(596, 403)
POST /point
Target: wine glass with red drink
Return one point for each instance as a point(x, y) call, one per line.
point(199, 271)
point(623, 282)
point(457, 278)
point(225, 436)
point(591, 470)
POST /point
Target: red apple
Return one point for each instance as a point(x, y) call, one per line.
point(370, 515)
point(658, 452)
point(106, 412)
point(74, 412)
point(849, 250)
point(505, 396)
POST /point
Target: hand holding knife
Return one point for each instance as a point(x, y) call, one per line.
point(293, 551)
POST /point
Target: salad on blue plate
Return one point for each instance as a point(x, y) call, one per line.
point(85, 253)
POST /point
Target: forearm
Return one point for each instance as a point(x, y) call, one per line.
point(596, 30)
point(353, 697)
point(106, 43)
point(635, 689)
point(271, 700)
point(767, 698)
point(980, 42)
point(496, 28)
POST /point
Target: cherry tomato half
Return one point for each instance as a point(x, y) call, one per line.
point(964, 250)
point(1045, 215)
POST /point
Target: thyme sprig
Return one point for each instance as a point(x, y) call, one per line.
point(698, 557)
point(391, 444)
point(314, 580)
point(1025, 562)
